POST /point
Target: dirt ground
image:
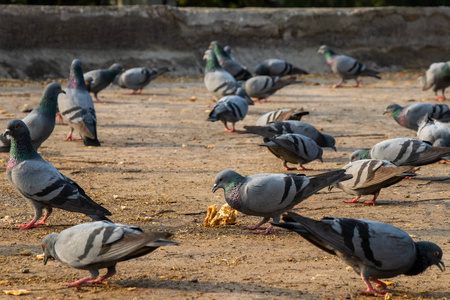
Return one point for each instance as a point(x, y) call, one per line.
point(156, 168)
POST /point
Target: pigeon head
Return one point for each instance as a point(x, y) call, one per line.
point(50, 95)
point(391, 109)
point(428, 254)
point(330, 141)
point(76, 79)
point(211, 61)
point(227, 49)
point(116, 68)
point(324, 49)
point(262, 69)
point(48, 244)
point(360, 154)
point(17, 129)
point(226, 179)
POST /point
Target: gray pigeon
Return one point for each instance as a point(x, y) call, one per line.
point(281, 127)
point(97, 80)
point(403, 152)
point(137, 78)
point(370, 176)
point(41, 120)
point(78, 108)
point(230, 65)
point(294, 148)
point(270, 195)
point(41, 183)
point(261, 87)
point(438, 78)
point(230, 109)
point(98, 245)
point(218, 81)
point(227, 49)
point(281, 115)
point(410, 115)
point(434, 132)
point(345, 66)
point(374, 250)
point(277, 67)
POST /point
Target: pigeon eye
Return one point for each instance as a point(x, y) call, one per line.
point(17, 126)
point(221, 179)
point(436, 253)
point(43, 246)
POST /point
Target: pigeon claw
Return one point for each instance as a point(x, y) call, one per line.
point(353, 201)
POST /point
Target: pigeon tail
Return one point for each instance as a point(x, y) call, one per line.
point(261, 130)
point(297, 71)
point(90, 142)
point(99, 218)
point(369, 72)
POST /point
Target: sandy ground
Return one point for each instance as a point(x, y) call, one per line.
point(156, 167)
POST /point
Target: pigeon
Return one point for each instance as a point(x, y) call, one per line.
point(230, 109)
point(97, 245)
point(41, 183)
point(261, 87)
point(370, 176)
point(374, 250)
point(434, 132)
point(270, 195)
point(41, 120)
point(294, 148)
point(345, 66)
point(403, 152)
point(137, 78)
point(229, 64)
point(227, 49)
point(281, 127)
point(78, 108)
point(410, 115)
point(218, 81)
point(281, 115)
point(438, 78)
point(97, 80)
point(277, 67)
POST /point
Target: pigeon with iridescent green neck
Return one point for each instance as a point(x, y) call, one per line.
point(270, 195)
point(218, 81)
point(403, 152)
point(41, 183)
point(438, 78)
point(410, 115)
point(230, 65)
point(374, 250)
point(277, 67)
point(345, 66)
point(100, 79)
point(78, 108)
point(41, 120)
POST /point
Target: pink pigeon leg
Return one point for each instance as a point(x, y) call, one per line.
point(267, 231)
point(70, 138)
point(288, 168)
point(102, 278)
point(60, 118)
point(31, 224)
point(357, 83)
point(232, 128)
point(82, 281)
point(302, 168)
point(98, 100)
point(256, 226)
point(370, 289)
point(338, 85)
point(353, 201)
point(375, 196)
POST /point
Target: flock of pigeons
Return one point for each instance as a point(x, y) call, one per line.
point(357, 242)
point(102, 244)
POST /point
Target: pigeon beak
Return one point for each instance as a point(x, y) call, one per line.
point(330, 188)
point(45, 258)
point(334, 148)
point(215, 187)
point(386, 113)
point(7, 132)
point(439, 263)
point(63, 92)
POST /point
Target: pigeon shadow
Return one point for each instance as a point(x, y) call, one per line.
point(196, 285)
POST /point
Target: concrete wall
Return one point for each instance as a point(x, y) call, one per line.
point(41, 41)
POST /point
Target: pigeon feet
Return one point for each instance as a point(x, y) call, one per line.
point(228, 129)
point(32, 224)
point(78, 283)
point(440, 98)
point(375, 293)
point(337, 85)
point(267, 231)
point(353, 201)
point(357, 84)
point(99, 101)
point(60, 118)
